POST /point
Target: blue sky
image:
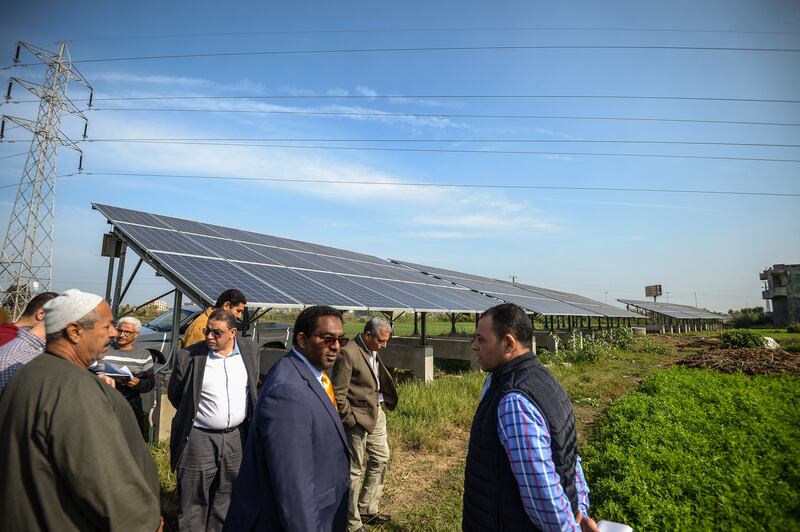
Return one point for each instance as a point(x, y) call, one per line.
point(604, 245)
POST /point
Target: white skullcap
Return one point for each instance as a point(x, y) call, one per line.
point(70, 306)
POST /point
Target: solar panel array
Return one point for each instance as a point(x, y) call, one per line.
point(672, 310)
point(279, 272)
point(533, 298)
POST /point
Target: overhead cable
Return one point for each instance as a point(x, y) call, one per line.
point(225, 141)
point(417, 49)
point(429, 30)
point(478, 152)
point(444, 185)
point(449, 115)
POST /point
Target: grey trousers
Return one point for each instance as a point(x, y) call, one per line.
point(207, 470)
point(369, 457)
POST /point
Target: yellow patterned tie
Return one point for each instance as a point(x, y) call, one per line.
point(326, 383)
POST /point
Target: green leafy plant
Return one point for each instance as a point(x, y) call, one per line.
point(699, 450)
point(793, 328)
point(741, 338)
point(648, 345)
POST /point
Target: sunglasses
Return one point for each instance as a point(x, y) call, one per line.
point(330, 339)
point(216, 333)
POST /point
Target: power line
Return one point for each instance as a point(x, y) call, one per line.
point(225, 141)
point(438, 96)
point(451, 115)
point(445, 185)
point(429, 30)
point(483, 152)
point(434, 49)
point(13, 155)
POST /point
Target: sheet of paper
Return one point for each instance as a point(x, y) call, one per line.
point(117, 371)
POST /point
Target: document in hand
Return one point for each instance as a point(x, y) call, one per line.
point(116, 371)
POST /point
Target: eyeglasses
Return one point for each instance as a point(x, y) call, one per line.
point(121, 332)
point(216, 333)
point(330, 339)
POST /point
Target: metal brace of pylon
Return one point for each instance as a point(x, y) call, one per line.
point(27, 256)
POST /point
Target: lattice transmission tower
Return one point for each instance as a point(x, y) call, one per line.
point(27, 257)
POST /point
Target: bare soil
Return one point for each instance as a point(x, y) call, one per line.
point(747, 361)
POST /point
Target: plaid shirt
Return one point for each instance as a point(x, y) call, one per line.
point(525, 437)
point(18, 352)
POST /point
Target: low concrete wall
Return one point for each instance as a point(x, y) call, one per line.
point(639, 331)
point(546, 340)
point(417, 358)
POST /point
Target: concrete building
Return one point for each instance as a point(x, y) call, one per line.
point(783, 289)
point(159, 305)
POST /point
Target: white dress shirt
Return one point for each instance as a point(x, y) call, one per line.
point(223, 397)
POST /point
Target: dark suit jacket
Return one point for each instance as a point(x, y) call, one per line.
point(186, 383)
point(356, 389)
point(295, 471)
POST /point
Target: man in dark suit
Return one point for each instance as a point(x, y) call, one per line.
point(363, 387)
point(295, 469)
point(213, 389)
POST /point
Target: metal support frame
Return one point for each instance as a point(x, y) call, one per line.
point(130, 279)
point(118, 287)
point(416, 319)
point(423, 337)
point(165, 294)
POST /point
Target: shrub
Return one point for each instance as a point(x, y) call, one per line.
point(591, 350)
point(621, 338)
point(647, 345)
point(793, 328)
point(737, 338)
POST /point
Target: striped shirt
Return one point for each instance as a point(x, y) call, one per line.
point(525, 437)
point(18, 352)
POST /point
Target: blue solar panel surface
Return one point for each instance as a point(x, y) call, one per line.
point(673, 310)
point(539, 300)
point(281, 272)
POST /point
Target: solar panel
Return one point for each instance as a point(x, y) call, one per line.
point(539, 300)
point(214, 276)
point(205, 259)
point(673, 310)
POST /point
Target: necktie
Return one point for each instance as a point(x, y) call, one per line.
point(326, 383)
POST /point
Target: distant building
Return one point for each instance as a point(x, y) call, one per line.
point(159, 305)
point(783, 289)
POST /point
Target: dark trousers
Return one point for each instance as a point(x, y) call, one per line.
point(207, 470)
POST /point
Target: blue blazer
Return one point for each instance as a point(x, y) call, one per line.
point(295, 470)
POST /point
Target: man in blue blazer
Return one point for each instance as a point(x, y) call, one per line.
point(295, 471)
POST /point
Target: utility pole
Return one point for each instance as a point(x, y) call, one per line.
point(513, 279)
point(695, 300)
point(27, 256)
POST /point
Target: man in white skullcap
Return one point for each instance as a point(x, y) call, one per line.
point(73, 458)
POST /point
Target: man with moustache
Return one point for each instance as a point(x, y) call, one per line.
point(523, 471)
point(213, 389)
point(73, 458)
point(295, 471)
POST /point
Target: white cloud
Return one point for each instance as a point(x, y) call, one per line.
point(483, 220)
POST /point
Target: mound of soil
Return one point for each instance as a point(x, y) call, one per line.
point(703, 343)
point(747, 361)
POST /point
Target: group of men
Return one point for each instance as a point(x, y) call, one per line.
point(306, 449)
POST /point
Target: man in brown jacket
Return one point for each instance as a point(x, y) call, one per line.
point(362, 385)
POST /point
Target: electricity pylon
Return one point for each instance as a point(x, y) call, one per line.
point(27, 257)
